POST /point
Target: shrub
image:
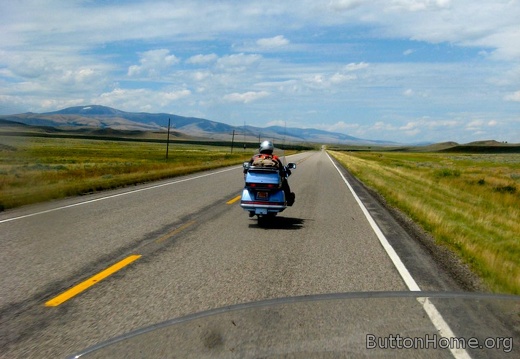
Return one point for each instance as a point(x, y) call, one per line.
point(505, 189)
point(446, 172)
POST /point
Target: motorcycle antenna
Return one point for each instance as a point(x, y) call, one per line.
point(283, 142)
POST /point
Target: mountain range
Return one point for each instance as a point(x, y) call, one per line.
point(96, 116)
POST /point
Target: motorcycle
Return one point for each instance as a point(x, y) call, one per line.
point(263, 194)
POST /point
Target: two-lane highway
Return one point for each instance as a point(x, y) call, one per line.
point(192, 248)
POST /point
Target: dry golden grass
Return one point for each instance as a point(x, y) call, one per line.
point(39, 169)
point(471, 203)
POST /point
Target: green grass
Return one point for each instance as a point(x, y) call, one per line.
point(468, 202)
point(36, 169)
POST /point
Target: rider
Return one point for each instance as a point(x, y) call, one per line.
point(266, 152)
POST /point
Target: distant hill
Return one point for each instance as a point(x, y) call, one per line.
point(484, 147)
point(432, 147)
point(485, 143)
point(6, 123)
point(102, 117)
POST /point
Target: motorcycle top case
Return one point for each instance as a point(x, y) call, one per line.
point(263, 177)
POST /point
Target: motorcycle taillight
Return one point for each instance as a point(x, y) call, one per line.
point(262, 185)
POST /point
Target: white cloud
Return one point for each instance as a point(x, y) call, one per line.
point(356, 67)
point(140, 99)
point(53, 104)
point(409, 126)
point(474, 125)
point(344, 5)
point(202, 59)
point(338, 78)
point(382, 126)
point(469, 23)
point(276, 41)
point(201, 75)
point(174, 95)
point(153, 63)
point(340, 126)
point(329, 80)
point(420, 5)
point(238, 62)
point(246, 97)
point(515, 97)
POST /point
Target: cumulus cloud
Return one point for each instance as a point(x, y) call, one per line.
point(238, 61)
point(344, 5)
point(246, 97)
point(356, 67)
point(323, 80)
point(338, 78)
point(53, 103)
point(202, 59)
point(382, 126)
point(474, 125)
point(515, 97)
point(341, 126)
point(140, 99)
point(201, 75)
point(489, 24)
point(153, 63)
point(276, 41)
point(327, 80)
point(420, 5)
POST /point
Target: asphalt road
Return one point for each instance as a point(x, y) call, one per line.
point(194, 249)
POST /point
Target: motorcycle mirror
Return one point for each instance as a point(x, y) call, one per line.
point(246, 165)
point(291, 166)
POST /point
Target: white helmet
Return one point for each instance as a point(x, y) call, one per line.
point(266, 147)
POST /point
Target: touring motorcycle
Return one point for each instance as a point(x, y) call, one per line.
point(263, 194)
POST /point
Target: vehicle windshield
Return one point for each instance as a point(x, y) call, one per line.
point(378, 324)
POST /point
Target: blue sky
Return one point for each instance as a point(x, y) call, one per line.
point(398, 70)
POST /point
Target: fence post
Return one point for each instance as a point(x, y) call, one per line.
point(168, 139)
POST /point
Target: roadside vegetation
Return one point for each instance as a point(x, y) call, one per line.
point(468, 202)
point(34, 169)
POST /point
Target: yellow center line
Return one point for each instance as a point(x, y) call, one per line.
point(91, 281)
point(175, 231)
point(231, 201)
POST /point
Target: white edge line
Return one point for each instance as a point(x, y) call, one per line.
point(435, 317)
point(116, 195)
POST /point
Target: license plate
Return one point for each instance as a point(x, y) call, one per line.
point(262, 195)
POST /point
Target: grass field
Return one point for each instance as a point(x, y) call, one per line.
point(468, 202)
point(36, 169)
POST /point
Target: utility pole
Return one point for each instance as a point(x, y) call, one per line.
point(232, 141)
point(168, 139)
